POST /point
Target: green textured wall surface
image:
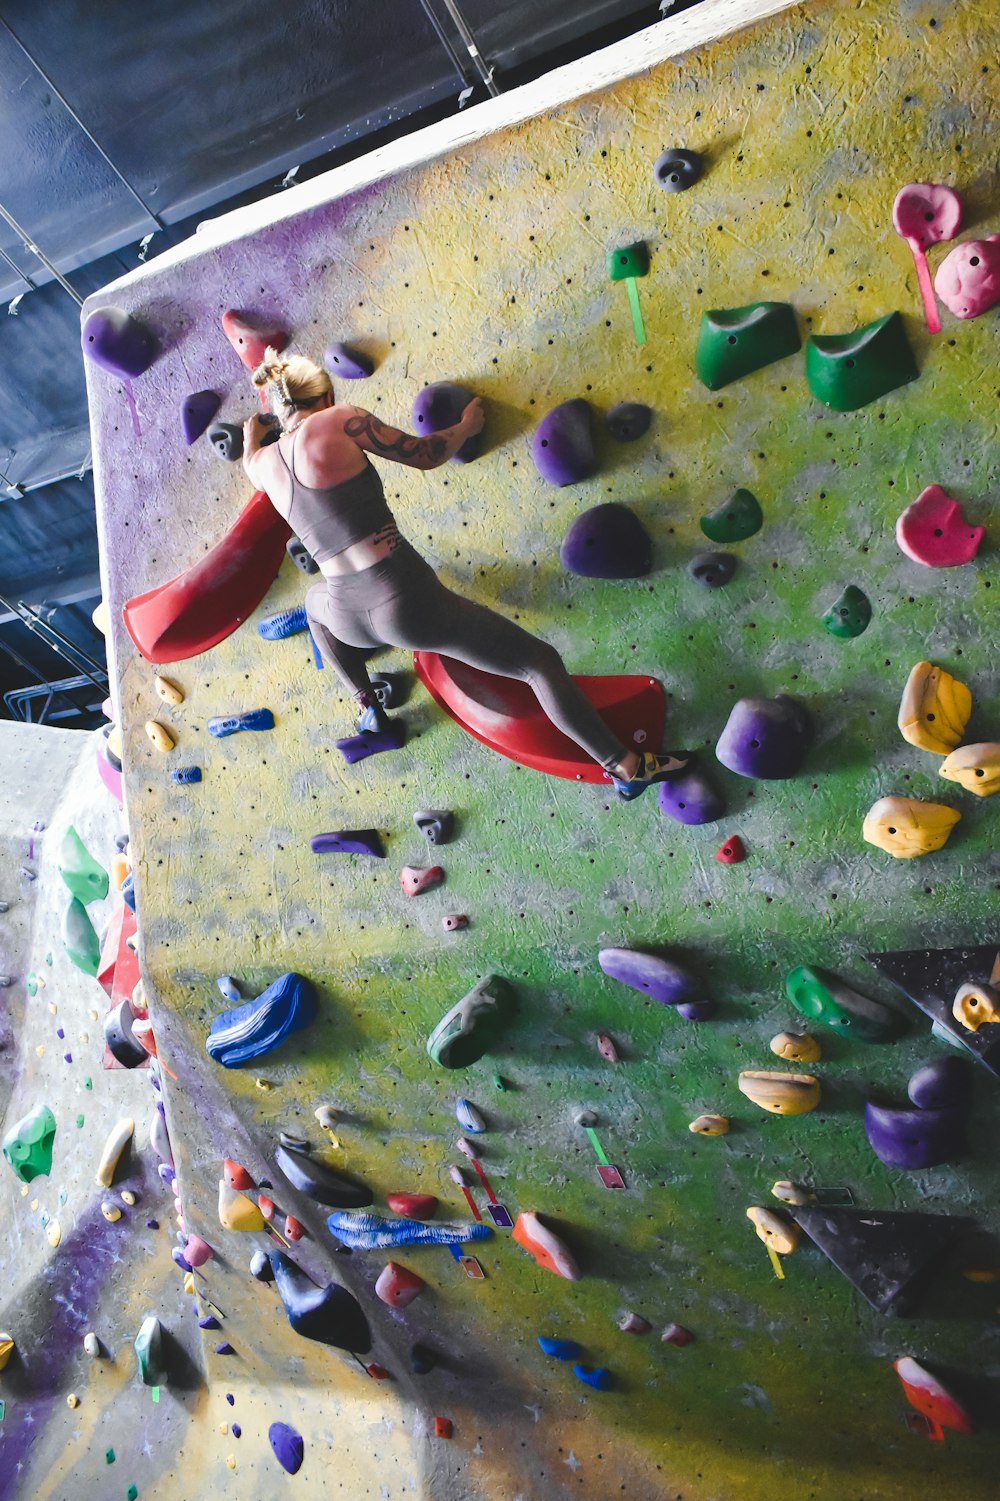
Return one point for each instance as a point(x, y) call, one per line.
point(487, 265)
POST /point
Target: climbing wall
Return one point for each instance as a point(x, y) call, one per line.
point(483, 259)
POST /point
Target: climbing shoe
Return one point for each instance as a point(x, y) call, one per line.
point(373, 719)
point(651, 769)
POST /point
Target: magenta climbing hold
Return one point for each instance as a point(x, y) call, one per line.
point(607, 542)
point(415, 880)
point(968, 279)
point(441, 405)
point(563, 445)
point(398, 1286)
point(349, 842)
point(348, 363)
point(676, 1334)
point(634, 1323)
point(249, 342)
point(658, 978)
point(118, 342)
point(765, 738)
point(933, 531)
point(287, 1445)
point(197, 411)
point(197, 1251)
point(925, 213)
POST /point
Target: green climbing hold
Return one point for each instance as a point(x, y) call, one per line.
point(849, 615)
point(87, 880)
point(735, 520)
point(79, 1122)
point(48, 958)
point(473, 1024)
point(31, 983)
point(847, 371)
point(150, 1352)
point(822, 996)
point(628, 261)
point(132, 1493)
point(79, 939)
point(734, 342)
point(28, 1144)
point(109, 1456)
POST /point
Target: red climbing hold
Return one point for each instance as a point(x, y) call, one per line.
point(294, 1229)
point(732, 852)
point(377, 1372)
point(443, 1428)
point(414, 880)
point(201, 607)
point(933, 531)
point(398, 1286)
point(236, 1176)
point(412, 1206)
point(266, 1206)
point(250, 343)
point(505, 715)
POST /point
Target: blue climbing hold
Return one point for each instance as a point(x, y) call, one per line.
point(185, 775)
point(363, 1231)
point(287, 1445)
point(128, 891)
point(560, 1349)
point(258, 1027)
point(348, 842)
point(285, 623)
point(328, 1314)
point(253, 719)
point(599, 1377)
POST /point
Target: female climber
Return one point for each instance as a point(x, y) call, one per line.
point(376, 590)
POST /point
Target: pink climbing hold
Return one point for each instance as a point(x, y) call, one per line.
point(634, 1323)
point(250, 343)
point(454, 921)
point(197, 1251)
point(925, 213)
point(414, 880)
point(732, 852)
point(398, 1286)
point(606, 1048)
point(294, 1228)
point(968, 279)
point(933, 531)
point(266, 1206)
point(676, 1334)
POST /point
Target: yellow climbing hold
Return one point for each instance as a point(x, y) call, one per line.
point(120, 867)
point(128, 1197)
point(263, 1084)
point(974, 767)
point(6, 1349)
point(110, 1211)
point(159, 735)
point(791, 1193)
point(781, 1094)
point(777, 1234)
point(53, 1234)
point(710, 1125)
point(168, 691)
point(189, 1286)
point(934, 709)
point(236, 1211)
point(906, 827)
point(231, 1461)
point(975, 1006)
point(115, 741)
point(72, 1400)
point(796, 1048)
point(100, 617)
point(118, 1139)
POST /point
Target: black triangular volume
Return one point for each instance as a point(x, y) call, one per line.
point(931, 978)
point(885, 1254)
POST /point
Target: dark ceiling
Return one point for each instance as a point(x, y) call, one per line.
point(121, 121)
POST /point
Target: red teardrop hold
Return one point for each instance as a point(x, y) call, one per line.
point(732, 852)
point(293, 1229)
point(266, 1206)
point(412, 1206)
point(237, 1176)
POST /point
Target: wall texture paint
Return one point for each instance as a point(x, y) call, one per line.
point(487, 265)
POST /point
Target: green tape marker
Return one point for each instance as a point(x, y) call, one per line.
point(637, 323)
point(602, 1156)
point(154, 1392)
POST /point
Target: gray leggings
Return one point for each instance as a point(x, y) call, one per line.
point(400, 601)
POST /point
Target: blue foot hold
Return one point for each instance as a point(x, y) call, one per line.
point(599, 1377)
point(358, 747)
point(253, 719)
point(261, 1025)
point(560, 1349)
point(186, 774)
point(286, 623)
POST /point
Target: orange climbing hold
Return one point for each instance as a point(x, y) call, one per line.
point(545, 1246)
point(443, 1428)
point(249, 342)
point(236, 1176)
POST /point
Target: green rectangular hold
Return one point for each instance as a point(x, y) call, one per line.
point(628, 261)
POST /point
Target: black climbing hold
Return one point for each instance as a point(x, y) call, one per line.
point(713, 569)
point(930, 978)
point(607, 542)
point(422, 1360)
point(391, 688)
point(301, 556)
point(319, 1182)
point(628, 420)
point(888, 1256)
point(227, 440)
point(677, 169)
point(122, 1043)
point(328, 1314)
point(436, 824)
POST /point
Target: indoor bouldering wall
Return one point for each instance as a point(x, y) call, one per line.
point(483, 258)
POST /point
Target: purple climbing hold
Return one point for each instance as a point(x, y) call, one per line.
point(347, 362)
point(628, 421)
point(940, 1085)
point(372, 742)
point(225, 1348)
point(441, 405)
point(915, 1138)
point(287, 1445)
point(697, 1011)
point(607, 542)
point(209, 1322)
point(658, 978)
point(235, 1429)
point(118, 342)
point(765, 738)
point(691, 798)
point(563, 447)
point(348, 842)
point(197, 412)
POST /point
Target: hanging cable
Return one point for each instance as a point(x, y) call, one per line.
point(465, 32)
point(29, 244)
point(445, 40)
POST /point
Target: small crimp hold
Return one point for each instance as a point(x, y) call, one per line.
point(732, 852)
point(415, 880)
point(185, 775)
point(252, 719)
point(453, 921)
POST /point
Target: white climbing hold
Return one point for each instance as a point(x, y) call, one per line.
point(115, 1145)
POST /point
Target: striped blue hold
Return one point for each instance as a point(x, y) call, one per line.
point(285, 623)
point(252, 719)
point(363, 1231)
point(261, 1025)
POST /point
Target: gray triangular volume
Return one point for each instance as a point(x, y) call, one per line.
point(931, 977)
point(886, 1255)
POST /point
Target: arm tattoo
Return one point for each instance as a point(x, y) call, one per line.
point(392, 444)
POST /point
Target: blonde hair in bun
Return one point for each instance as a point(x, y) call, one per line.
point(292, 383)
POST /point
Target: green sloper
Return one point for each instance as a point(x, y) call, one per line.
point(734, 342)
point(471, 1027)
point(849, 615)
point(86, 879)
point(79, 938)
point(847, 371)
point(822, 996)
point(735, 520)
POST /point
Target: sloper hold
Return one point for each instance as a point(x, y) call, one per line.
point(436, 824)
point(849, 615)
point(545, 1246)
point(847, 371)
point(780, 1093)
point(822, 996)
point(968, 279)
point(713, 569)
point(118, 342)
point(261, 1025)
point(328, 1314)
point(440, 405)
point(398, 1286)
point(911, 1137)
point(658, 978)
point(287, 1446)
point(907, 827)
point(349, 842)
point(80, 941)
point(690, 798)
point(250, 342)
point(347, 362)
point(934, 709)
point(765, 738)
point(472, 1026)
point(886, 1255)
point(28, 1144)
point(976, 1006)
point(607, 542)
point(735, 519)
point(627, 421)
point(931, 1399)
point(122, 1043)
point(974, 767)
point(930, 979)
point(236, 1211)
point(599, 1377)
point(933, 531)
point(6, 1349)
point(197, 411)
point(678, 169)
point(412, 1206)
point(940, 1084)
point(734, 342)
point(319, 1182)
point(563, 446)
point(87, 880)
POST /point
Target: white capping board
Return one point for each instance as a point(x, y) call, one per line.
point(636, 54)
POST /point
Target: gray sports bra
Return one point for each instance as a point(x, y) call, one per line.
point(332, 519)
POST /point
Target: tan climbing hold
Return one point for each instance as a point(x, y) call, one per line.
point(796, 1047)
point(236, 1211)
point(263, 1084)
point(906, 827)
point(115, 1145)
point(976, 1006)
point(128, 1197)
point(231, 1461)
point(115, 741)
point(72, 1400)
point(91, 1343)
point(777, 1234)
point(189, 1283)
point(6, 1349)
point(781, 1094)
point(934, 709)
point(791, 1193)
point(159, 735)
point(102, 620)
point(710, 1125)
point(168, 691)
point(53, 1233)
point(110, 1211)
point(120, 867)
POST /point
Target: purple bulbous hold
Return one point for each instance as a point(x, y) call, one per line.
point(691, 799)
point(563, 447)
point(765, 738)
point(658, 978)
point(348, 363)
point(197, 411)
point(607, 542)
point(441, 405)
point(941, 1085)
point(287, 1445)
point(915, 1138)
point(118, 342)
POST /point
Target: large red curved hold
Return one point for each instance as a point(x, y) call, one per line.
point(505, 715)
point(203, 606)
